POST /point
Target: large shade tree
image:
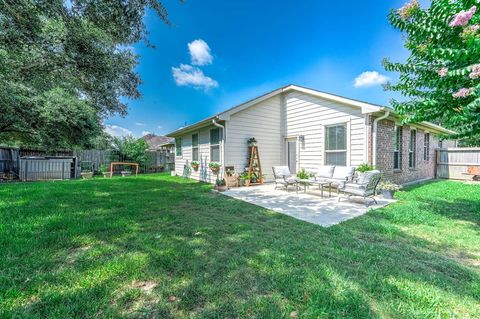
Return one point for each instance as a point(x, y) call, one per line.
point(441, 77)
point(66, 65)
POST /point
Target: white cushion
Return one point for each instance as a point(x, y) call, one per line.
point(324, 171)
point(282, 171)
point(342, 172)
point(364, 178)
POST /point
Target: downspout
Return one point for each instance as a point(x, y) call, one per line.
point(374, 137)
point(222, 148)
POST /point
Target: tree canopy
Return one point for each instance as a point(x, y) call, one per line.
point(66, 65)
point(441, 77)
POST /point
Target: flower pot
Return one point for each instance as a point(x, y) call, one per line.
point(222, 188)
point(126, 173)
point(215, 170)
point(106, 174)
point(87, 175)
point(388, 194)
point(195, 167)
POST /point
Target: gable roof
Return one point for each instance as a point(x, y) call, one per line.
point(364, 106)
point(156, 141)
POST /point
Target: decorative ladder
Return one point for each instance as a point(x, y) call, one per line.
point(254, 166)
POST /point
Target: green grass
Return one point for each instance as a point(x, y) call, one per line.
point(162, 247)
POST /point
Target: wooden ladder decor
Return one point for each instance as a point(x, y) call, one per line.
point(254, 167)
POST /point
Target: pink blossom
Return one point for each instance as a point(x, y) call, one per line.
point(462, 18)
point(442, 72)
point(407, 10)
point(470, 30)
point(462, 93)
point(475, 74)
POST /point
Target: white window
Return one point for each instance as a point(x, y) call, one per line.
point(412, 149)
point(336, 144)
point(397, 152)
point(215, 145)
point(195, 147)
point(426, 147)
point(178, 146)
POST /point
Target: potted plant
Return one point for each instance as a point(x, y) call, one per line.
point(126, 173)
point(221, 185)
point(303, 174)
point(252, 141)
point(244, 177)
point(388, 189)
point(214, 167)
point(105, 170)
point(86, 174)
point(194, 165)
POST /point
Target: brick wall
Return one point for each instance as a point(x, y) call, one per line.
point(385, 148)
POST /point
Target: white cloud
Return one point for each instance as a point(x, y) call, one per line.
point(187, 75)
point(370, 78)
point(146, 133)
point(200, 52)
point(115, 130)
point(159, 127)
point(139, 124)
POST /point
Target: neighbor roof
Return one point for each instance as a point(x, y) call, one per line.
point(156, 141)
point(365, 106)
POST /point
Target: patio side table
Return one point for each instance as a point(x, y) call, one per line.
point(322, 184)
point(305, 183)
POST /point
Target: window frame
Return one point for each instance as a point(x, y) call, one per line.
point(426, 147)
point(397, 146)
point(412, 149)
point(178, 147)
point(215, 145)
point(196, 147)
point(327, 151)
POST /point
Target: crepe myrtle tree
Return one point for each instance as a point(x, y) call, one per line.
point(441, 77)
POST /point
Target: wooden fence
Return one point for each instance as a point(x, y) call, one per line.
point(458, 163)
point(157, 160)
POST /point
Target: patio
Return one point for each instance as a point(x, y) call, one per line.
point(309, 206)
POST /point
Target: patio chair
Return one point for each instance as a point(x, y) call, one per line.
point(365, 186)
point(283, 177)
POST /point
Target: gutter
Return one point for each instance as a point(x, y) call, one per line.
point(374, 137)
point(222, 148)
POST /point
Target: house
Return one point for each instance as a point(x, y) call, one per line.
point(159, 143)
point(306, 128)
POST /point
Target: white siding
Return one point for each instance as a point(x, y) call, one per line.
point(262, 121)
point(203, 173)
point(307, 115)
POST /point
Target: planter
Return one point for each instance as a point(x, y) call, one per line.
point(87, 175)
point(195, 167)
point(106, 174)
point(222, 188)
point(388, 194)
point(215, 171)
point(126, 173)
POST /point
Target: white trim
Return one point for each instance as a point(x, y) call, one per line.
point(347, 124)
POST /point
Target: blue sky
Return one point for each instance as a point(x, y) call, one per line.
point(241, 49)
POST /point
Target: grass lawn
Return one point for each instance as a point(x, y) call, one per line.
point(162, 247)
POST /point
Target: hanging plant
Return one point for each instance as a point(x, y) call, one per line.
point(195, 165)
point(214, 167)
point(252, 141)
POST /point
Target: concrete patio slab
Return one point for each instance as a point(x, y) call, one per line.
point(309, 207)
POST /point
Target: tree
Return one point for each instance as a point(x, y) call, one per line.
point(130, 149)
point(66, 65)
point(441, 77)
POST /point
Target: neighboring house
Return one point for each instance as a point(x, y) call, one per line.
point(305, 128)
point(159, 143)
